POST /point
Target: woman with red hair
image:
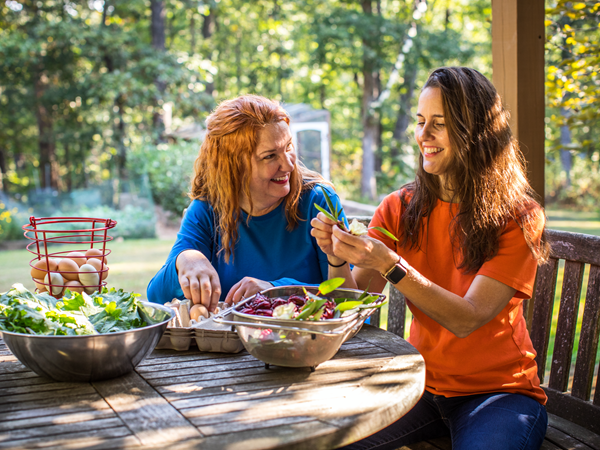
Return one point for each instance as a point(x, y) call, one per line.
point(248, 226)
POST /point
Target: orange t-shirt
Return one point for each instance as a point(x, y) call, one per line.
point(497, 357)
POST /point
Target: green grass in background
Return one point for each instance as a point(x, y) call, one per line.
point(574, 221)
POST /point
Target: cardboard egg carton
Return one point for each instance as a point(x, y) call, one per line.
point(181, 338)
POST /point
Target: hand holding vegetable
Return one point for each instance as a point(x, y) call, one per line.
point(198, 279)
point(362, 251)
point(356, 228)
point(351, 244)
point(246, 288)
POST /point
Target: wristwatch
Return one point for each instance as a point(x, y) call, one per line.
point(396, 273)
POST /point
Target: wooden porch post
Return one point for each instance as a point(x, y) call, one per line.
point(518, 36)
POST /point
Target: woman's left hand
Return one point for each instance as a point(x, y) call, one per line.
point(362, 251)
point(245, 288)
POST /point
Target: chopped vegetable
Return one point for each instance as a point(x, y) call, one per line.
point(311, 306)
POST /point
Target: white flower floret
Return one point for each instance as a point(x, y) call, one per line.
point(357, 228)
point(284, 311)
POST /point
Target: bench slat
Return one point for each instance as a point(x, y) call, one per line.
point(576, 410)
point(575, 246)
point(396, 312)
point(588, 340)
point(574, 430)
point(597, 392)
point(542, 312)
point(375, 318)
point(564, 441)
point(565, 328)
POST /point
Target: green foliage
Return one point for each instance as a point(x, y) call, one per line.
point(133, 222)
point(97, 87)
point(170, 168)
point(573, 91)
point(100, 85)
point(12, 218)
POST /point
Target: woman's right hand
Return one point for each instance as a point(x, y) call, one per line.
point(322, 231)
point(363, 251)
point(198, 279)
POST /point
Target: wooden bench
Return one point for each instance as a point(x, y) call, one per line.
point(574, 416)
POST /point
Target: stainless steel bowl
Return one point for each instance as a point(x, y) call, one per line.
point(93, 357)
point(294, 343)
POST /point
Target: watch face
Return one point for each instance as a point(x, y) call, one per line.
point(396, 274)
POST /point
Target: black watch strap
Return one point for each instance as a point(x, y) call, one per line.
point(396, 272)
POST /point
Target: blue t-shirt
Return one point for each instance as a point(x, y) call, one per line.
point(265, 249)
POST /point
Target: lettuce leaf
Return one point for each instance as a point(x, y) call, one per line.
point(105, 311)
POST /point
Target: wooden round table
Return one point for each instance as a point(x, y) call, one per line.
point(185, 400)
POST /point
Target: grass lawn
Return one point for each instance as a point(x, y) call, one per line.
point(576, 222)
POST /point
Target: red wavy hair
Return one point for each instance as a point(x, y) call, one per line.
point(223, 168)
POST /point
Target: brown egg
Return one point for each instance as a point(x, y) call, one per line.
point(99, 266)
point(94, 253)
point(198, 310)
point(78, 257)
point(74, 286)
point(68, 269)
point(38, 284)
point(40, 268)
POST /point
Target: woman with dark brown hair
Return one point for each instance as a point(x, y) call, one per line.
point(248, 226)
point(470, 237)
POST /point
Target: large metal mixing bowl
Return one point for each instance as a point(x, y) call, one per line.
point(93, 357)
point(295, 343)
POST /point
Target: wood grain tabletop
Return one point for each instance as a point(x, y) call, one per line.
point(188, 400)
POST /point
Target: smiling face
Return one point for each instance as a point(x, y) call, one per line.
point(272, 163)
point(431, 133)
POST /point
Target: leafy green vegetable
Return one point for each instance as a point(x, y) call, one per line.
point(384, 231)
point(106, 311)
point(314, 308)
point(331, 285)
point(334, 214)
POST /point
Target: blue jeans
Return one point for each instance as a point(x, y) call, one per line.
point(497, 421)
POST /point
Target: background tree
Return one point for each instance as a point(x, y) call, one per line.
point(573, 92)
point(114, 71)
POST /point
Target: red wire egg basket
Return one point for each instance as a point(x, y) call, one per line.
point(62, 246)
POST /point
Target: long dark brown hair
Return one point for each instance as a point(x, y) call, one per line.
point(223, 167)
point(486, 175)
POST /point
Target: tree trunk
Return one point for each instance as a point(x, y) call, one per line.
point(158, 24)
point(158, 43)
point(208, 28)
point(48, 167)
point(566, 158)
point(119, 126)
point(3, 178)
point(379, 132)
point(193, 33)
point(369, 122)
point(404, 116)
point(69, 165)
